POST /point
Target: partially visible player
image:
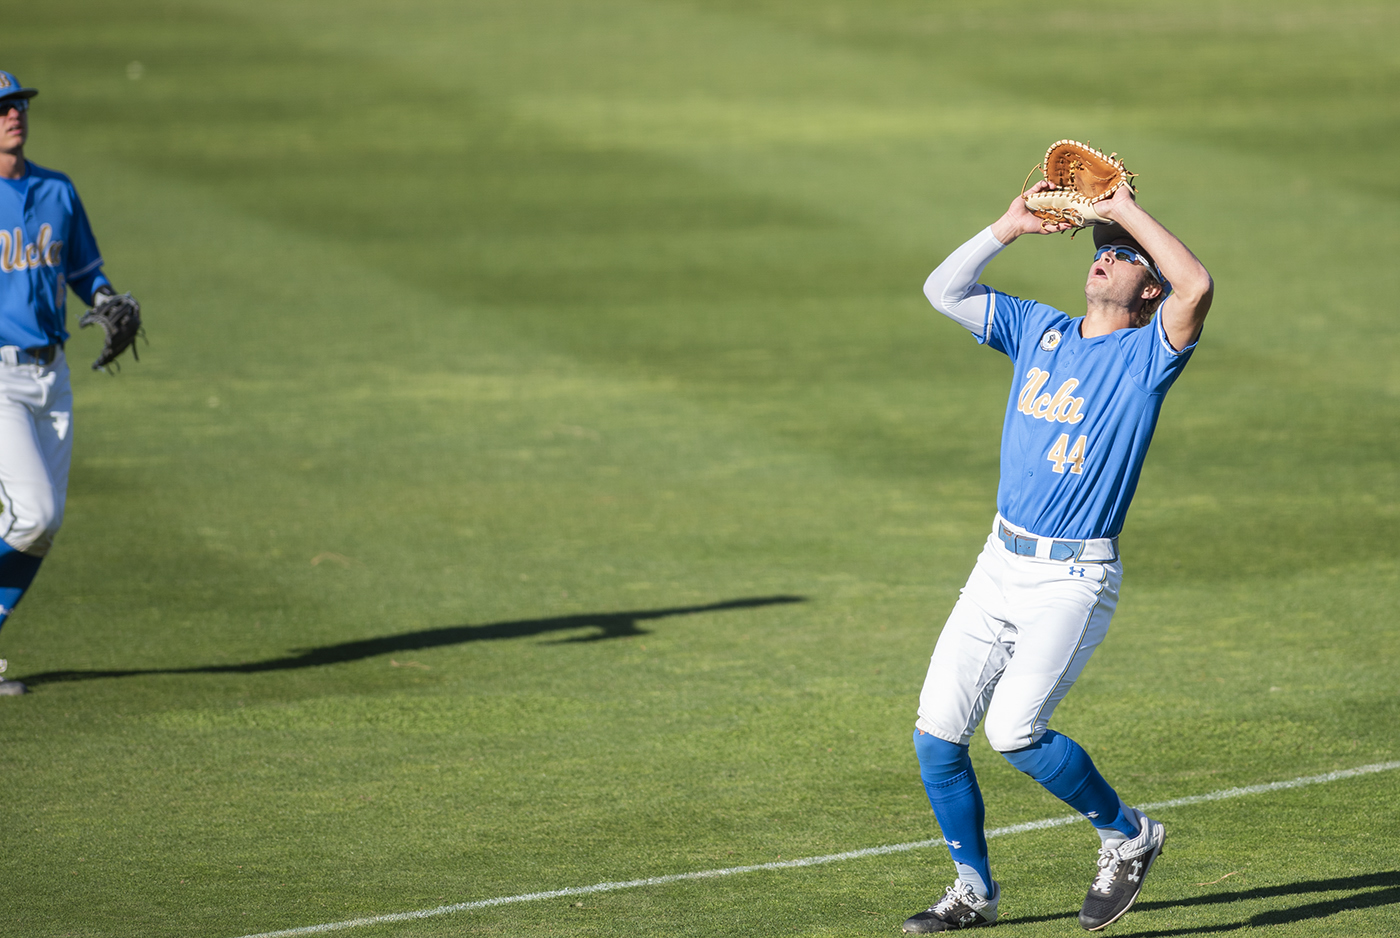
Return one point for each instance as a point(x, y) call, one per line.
point(46, 246)
point(1084, 402)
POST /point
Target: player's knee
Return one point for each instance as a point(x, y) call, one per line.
point(1007, 736)
point(1043, 759)
point(35, 524)
point(42, 543)
point(939, 759)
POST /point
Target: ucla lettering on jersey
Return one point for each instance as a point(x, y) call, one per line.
point(43, 251)
point(1062, 406)
point(46, 244)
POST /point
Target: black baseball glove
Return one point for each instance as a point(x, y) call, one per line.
point(119, 315)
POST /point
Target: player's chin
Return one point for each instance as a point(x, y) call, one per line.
point(1101, 290)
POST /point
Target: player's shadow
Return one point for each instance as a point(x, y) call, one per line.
point(1384, 890)
point(607, 625)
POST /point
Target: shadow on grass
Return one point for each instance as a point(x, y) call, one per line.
point(608, 625)
point(1388, 893)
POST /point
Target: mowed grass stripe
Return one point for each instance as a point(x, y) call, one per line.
point(1221, 795)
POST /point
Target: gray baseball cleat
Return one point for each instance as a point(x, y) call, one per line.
point(10, 688)
point(1122, 869)
point(960, 907)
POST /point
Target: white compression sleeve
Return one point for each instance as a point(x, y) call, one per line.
point(953, 288)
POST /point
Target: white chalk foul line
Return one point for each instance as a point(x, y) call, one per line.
point(810, 861)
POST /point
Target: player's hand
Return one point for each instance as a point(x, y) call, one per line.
point(1018, 219)
point(1109, 207)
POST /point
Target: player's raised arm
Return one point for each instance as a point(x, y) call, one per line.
point(953, 287)
point(1185, 309)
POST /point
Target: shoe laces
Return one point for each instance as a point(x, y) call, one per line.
point(958, 892)
point(1108, 867)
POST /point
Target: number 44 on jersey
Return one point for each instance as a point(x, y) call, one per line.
point(1074, 456)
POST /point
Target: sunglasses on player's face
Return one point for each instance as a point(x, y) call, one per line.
point(19, 104)
point(1125, 255)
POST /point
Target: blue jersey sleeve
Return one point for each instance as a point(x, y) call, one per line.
point(82, 262)
point(1151, 361)
point(1011, 319)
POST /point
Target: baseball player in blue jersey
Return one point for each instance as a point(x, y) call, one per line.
point(46, 247)
point(1084, 401)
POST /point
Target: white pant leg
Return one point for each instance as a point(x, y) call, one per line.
point(973, 650)
point(1017, 640)
point(1061, 613)
point(36, 449)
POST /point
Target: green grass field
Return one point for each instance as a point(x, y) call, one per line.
point(545, 469)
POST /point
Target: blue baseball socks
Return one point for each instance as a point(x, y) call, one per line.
point(1057, 762)
point(952, 789)
point(1067, 772)
point(17, 571)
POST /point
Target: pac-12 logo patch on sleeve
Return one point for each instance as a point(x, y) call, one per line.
point(1051, 340)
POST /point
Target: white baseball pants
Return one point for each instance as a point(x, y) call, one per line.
point(36, 448)
point(1015, 643)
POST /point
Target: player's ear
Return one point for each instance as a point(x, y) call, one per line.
point(1151, 290)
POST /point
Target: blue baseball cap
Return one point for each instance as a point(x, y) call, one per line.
point(10, 87)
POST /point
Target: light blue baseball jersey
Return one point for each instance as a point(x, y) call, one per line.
point(46, 244)
point(1079, 419)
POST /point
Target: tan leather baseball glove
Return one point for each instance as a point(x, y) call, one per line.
point(1081, 176)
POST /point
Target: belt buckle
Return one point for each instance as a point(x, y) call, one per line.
point(1022, 545)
